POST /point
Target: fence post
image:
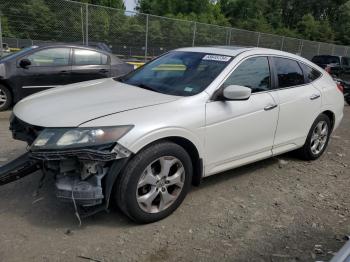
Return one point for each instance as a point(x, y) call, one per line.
point(282, 44)
point(301, 47)
point(319, 48)
point(259, 35)
point(1, 47)
point(82, 24)
point(333, 49)
point(346, 51)
point(146, 40)
point(87, 24)
point(194, 33)
point(229, 36)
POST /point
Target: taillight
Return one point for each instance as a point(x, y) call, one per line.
point(340, 87)
point(328, 69)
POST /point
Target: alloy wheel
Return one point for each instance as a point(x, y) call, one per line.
point(160, 184)
point(319, 137)
point(3, 98)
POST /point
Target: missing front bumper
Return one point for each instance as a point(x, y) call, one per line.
point(84, 177)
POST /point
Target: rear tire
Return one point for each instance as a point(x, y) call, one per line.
point(155, 182)
point(5, 98)
point(317, 139)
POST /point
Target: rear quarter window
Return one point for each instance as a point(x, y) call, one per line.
point(310, 73)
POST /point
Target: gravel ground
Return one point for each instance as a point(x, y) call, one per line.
point(281, 209)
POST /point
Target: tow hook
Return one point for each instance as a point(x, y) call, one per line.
point(18, 168)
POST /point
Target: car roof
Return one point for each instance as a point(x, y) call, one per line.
point(219, 50)
point(70, 46)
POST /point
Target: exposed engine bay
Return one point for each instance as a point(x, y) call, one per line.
point(83, 176)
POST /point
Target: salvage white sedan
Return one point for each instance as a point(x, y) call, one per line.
point(144, 138)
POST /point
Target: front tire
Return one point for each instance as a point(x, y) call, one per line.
point(5, 98)
point(317, 139)
point(155, 182)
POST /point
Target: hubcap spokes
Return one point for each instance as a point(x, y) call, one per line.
point(3, 97)
point(319, 137)
point(160, 184)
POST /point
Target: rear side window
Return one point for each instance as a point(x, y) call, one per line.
point(89, 57)
point(310, 73)
point(289, 72)
point(253, 73)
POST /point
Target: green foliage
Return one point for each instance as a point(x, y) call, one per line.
point(326, 20)
point(110, 3)
point(204, 11)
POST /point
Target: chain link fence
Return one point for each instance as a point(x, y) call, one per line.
point(130, 35)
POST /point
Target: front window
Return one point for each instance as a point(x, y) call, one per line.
point(179, 73)
point(253, 73)
point(50, 57)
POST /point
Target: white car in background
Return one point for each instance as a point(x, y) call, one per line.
point(194, 112)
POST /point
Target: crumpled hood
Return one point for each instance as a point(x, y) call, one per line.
point(72, 105)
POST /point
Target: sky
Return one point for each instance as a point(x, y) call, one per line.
point(130, 4)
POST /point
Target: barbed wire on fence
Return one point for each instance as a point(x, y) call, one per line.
point(132, 34)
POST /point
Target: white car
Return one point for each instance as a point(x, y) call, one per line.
point(143, 139)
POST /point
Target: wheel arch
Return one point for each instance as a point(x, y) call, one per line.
point(191, 148)
point(331, 117)
point(4, 83)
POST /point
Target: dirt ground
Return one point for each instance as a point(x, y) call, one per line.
point(281, 209)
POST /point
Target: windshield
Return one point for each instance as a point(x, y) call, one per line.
point(178, 73)
point(24, 50)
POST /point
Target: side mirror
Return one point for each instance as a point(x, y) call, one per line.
point(235, 92)
point(24, 63)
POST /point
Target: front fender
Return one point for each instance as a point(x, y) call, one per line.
point(142, 141)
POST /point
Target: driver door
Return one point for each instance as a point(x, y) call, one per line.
point(239, 132)
point(49, 68)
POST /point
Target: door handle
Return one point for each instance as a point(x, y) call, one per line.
point(315, 96)
point(103, 71)
point(64, 72)
point(270, 107)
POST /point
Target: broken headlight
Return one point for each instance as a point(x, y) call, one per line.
point(63, 138)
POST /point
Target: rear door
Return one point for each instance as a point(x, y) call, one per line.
point(49, 68)
point(89, 65)
point(299, 104)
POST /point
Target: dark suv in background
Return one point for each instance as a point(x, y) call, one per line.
point(35, 68)
point(339, 68)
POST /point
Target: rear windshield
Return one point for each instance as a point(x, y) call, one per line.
point(326, 60)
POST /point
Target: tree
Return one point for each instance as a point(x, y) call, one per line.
point(109, 3)
point(205, 11)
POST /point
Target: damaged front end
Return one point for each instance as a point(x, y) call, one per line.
point(85, 162)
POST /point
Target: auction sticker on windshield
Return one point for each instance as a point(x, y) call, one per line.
point(220, 58)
